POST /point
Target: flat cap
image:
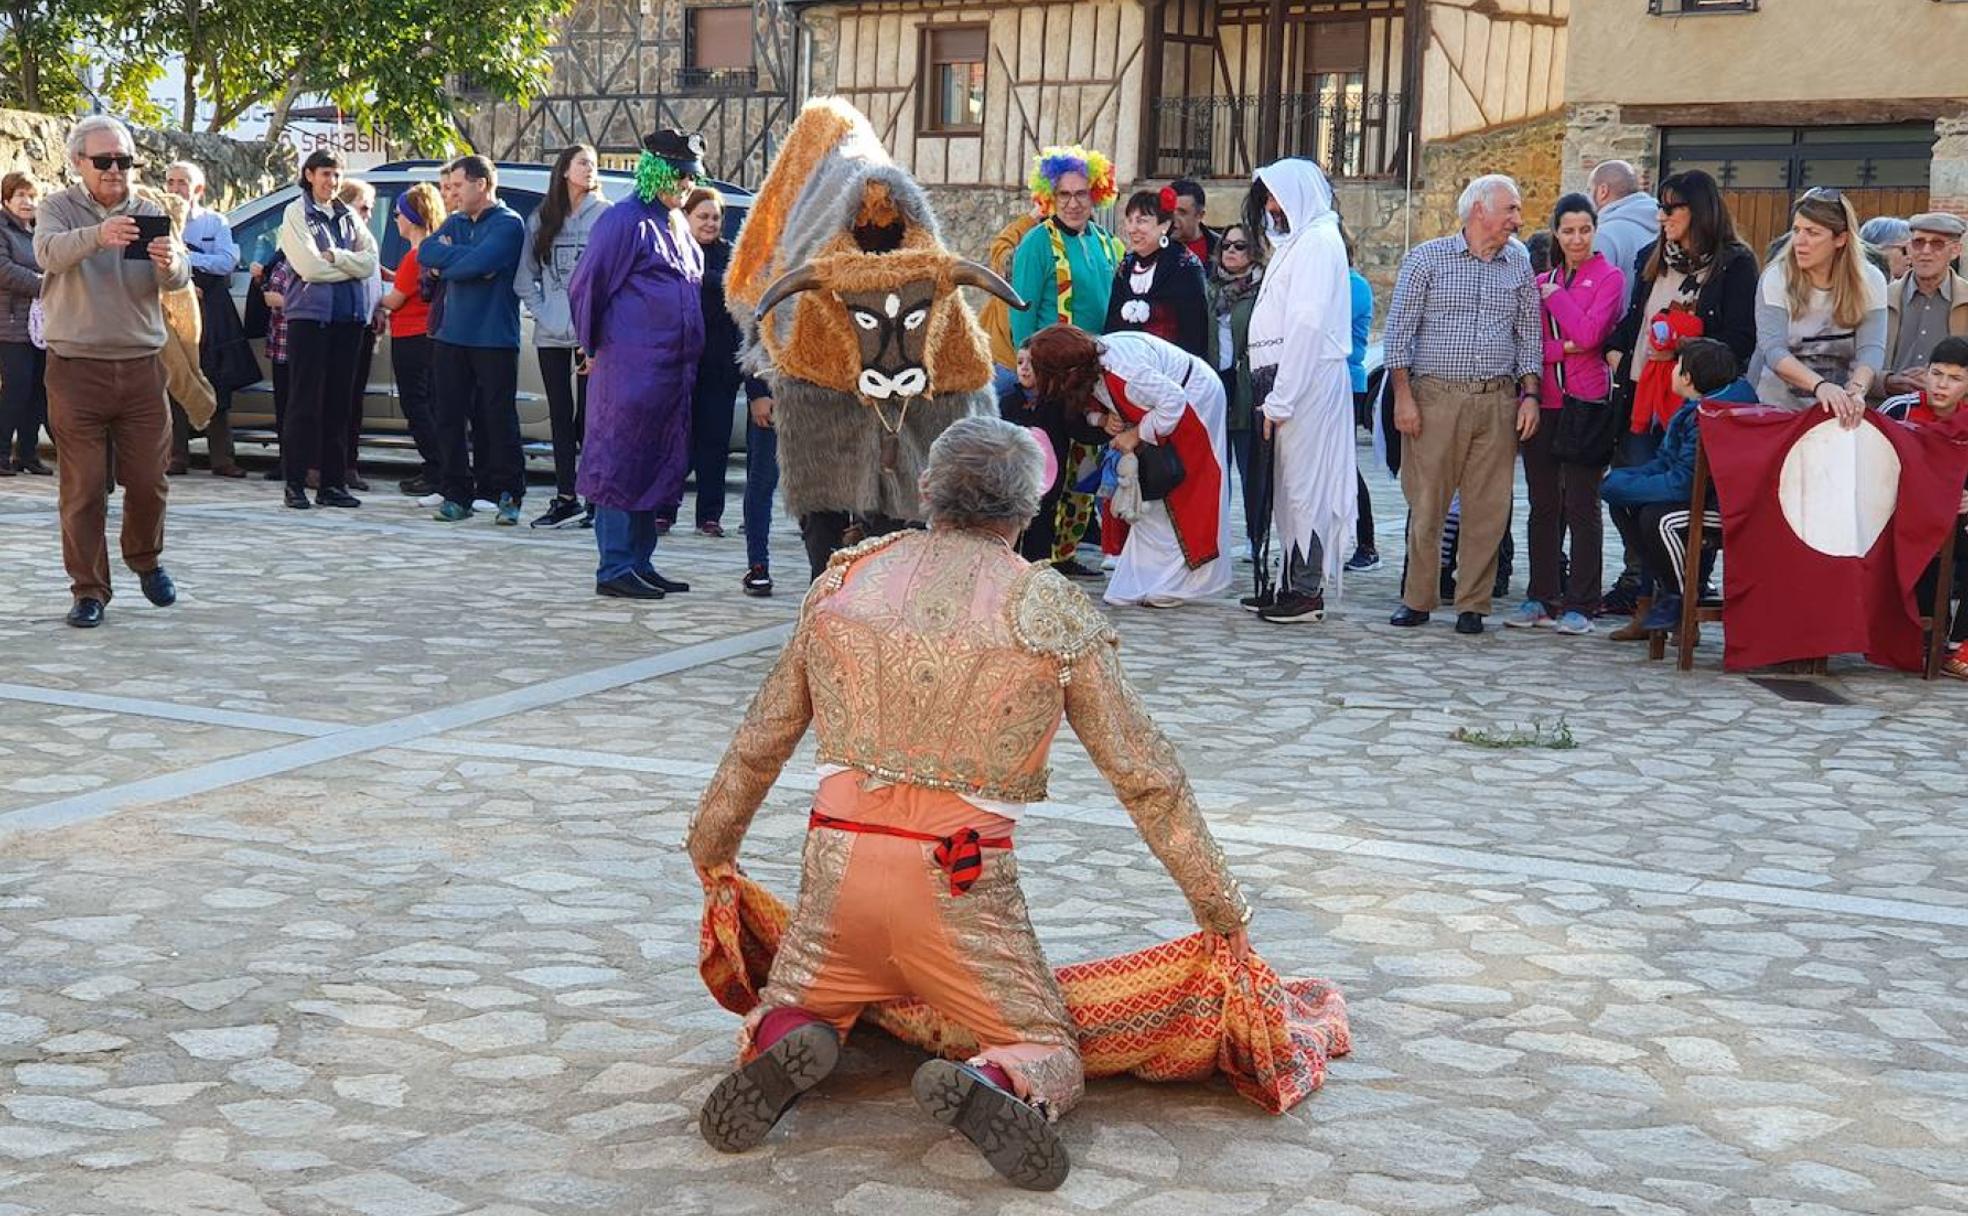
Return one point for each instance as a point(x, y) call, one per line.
point(1941, 222)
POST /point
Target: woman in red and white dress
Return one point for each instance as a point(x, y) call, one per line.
point(1158, 394)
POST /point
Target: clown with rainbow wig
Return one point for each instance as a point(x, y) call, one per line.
point(1065, 267)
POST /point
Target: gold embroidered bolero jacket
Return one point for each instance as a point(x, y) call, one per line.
point(942, 659)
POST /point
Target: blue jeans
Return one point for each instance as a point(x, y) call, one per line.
point(627, 540)
point(761, 482)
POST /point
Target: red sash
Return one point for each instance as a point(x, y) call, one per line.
point(961, 856)
point(1194, 505)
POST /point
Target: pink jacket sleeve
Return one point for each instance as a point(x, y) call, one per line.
point(1587, 325)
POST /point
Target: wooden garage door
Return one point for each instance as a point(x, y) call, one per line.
point(1763, 215)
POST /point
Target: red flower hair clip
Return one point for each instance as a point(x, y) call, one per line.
point(1167, 199)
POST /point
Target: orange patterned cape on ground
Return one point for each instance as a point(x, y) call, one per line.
point(1179, 1011)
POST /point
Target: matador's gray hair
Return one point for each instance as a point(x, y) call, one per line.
point(983, 471)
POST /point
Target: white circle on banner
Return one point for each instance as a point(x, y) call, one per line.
point(1838, 488)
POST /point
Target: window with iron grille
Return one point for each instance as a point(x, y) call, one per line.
point(953, 69)
point(717, 49)
point(1682, 8)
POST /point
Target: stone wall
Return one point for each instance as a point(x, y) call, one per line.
point(1531, 152)
point(971, 215)
point(235, 171)
point(1949, 181)
point(1595, 134)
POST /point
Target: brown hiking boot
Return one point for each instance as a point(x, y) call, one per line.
point(1633, 630)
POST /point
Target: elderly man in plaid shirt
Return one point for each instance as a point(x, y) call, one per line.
point(1465, 352)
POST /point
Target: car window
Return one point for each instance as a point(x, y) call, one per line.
point(522, 201)
point(256, 237)
point(379, 215)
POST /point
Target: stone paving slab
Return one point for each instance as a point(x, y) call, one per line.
point(408, 980)
point(327, 940)
point(304, 638)
point(52, 751)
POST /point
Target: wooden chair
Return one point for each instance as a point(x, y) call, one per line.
point(1695, 613)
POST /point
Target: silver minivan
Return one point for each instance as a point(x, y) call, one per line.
point(256, 225)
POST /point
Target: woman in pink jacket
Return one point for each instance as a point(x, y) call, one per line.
point(1584, 297)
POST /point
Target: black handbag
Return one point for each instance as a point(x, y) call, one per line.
point(1588, 431)
point(1159, 470)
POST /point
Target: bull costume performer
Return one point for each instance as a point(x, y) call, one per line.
point(935, 667)
point(1300, 337)
point(848, 300)
point(638, 315)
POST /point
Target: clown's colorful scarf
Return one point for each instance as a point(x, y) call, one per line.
point(1063, 271)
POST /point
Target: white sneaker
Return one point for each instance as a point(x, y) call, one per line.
point(1108, 563)
point(1574, 624)
point(479, 504)
point(1529, 615)
point(431, 500)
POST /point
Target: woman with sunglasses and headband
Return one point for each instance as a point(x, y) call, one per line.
point(1821, 313)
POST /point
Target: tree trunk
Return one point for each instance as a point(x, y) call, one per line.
point(278, 122)
point(192, 51)
point(190, 120)
point(30, 63)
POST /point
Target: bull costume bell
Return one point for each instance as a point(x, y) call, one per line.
point(636, 298)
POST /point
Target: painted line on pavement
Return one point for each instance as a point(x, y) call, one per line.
point(1628, 878)
point(171, 711)
point(325, 741)
point(395, 732)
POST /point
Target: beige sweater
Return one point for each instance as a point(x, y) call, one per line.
point(96, 303)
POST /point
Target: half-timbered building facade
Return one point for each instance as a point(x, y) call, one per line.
point(1866, 96)
point(622, 68)
point(966, 91)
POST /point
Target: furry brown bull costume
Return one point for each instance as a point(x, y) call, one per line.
point(849, 304)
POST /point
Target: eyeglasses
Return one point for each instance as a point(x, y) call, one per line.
point(1822, 194)
point(1239, 246)
point(1929, 244)
point(1073, 196)
point(117, 160)
point(1667, 208)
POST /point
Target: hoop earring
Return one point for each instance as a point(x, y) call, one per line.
point(1165, 240)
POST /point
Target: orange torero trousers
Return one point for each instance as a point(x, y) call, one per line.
point(877, 921)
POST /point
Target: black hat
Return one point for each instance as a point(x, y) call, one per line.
point(685, 152)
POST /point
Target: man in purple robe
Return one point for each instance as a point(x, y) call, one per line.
point(639, 319)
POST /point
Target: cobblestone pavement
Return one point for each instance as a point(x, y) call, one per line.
point(351, 886)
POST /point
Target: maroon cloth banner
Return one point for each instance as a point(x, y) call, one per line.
point(1784, 600)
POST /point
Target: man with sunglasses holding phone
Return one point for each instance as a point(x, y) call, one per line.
point(108, 256)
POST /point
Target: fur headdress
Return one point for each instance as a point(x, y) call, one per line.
point(1053, 163)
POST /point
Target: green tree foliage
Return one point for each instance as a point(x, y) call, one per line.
point(390, 64)
point(40, 66)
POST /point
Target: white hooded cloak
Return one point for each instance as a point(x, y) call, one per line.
point(1302, 324)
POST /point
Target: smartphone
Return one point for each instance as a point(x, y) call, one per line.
point(149, 228)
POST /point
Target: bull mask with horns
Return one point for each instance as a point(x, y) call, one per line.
point(891, 322)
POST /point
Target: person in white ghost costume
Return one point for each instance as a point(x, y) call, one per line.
point(1300, 335)
point(1153, 393)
